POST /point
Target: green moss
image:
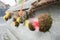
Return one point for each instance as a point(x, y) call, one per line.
point(46, 23)
point(31, 27)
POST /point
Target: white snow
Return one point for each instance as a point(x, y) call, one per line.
point(23, 33)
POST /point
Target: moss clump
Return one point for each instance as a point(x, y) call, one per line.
point(45, 22)
point(31, 27)
point(16, 24)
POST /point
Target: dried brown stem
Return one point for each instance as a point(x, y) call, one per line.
point(39, 5)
